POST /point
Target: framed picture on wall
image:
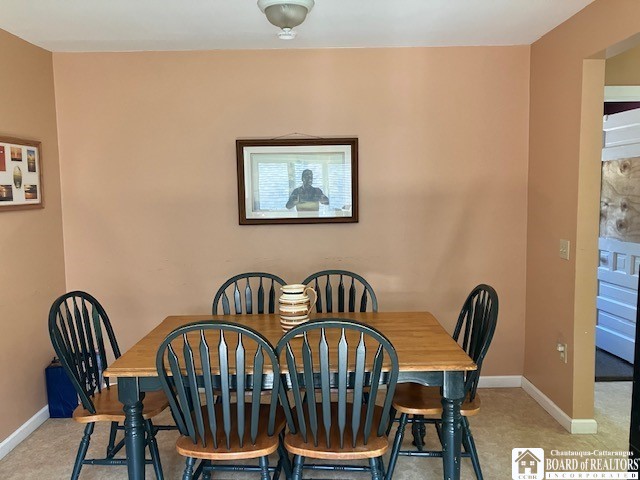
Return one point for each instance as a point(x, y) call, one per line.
point(20, 174)
point(297, 180)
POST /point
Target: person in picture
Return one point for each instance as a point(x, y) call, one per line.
point(307, 198)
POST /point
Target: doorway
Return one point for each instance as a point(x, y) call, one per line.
point(618, 242)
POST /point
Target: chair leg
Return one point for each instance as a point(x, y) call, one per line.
point(419, 432)
point(112, 439)
point(298, 463)
point(284, 458)
point(381, 467)
point(439, 431)
point(188, 469)
point(278, 469)
point(470, 446)
point(264, 468)
point(82, 450)
point(375, 469)
point(206, 474)
point(397, 443)
point(153, 449)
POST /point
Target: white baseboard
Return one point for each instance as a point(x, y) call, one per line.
point(26, 429)
point(504, 381)
point(572, 425)
point(584, 426)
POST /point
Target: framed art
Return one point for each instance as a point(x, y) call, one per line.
point(20, 174)
point(297, 180)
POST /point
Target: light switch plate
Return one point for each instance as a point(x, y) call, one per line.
point(562, 350)
point(565, 249)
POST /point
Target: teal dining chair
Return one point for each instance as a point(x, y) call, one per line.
point(419, 405)
point(83, 338)
point(345, 358)
point(214, 375)
point(342, 291)
point(265, 286)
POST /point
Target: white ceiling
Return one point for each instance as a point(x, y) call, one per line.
point(128, 25)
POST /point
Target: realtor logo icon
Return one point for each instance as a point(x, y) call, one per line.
point(527, 463)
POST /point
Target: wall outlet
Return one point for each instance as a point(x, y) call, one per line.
point(562, 350)
point(565, 248)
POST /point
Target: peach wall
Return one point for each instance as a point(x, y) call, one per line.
point(149, 176)
point(32, 251)
point(564, 160)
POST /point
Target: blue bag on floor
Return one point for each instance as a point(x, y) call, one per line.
point(60, 392)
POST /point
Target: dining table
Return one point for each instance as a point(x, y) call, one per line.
point(427, 355)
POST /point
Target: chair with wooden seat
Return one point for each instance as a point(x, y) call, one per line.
point(213, 374)
point(83, 339)
point(350, 356)
point(244, 302)
point(474, 331)
point(330, 288)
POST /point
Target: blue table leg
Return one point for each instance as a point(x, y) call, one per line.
point(452, 397)
point(131, 397)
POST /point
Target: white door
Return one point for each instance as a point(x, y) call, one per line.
point(617, 297)
point(619, 241)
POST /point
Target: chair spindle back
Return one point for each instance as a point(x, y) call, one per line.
point(347, 301)
point(477, 324)
point(323, 359)
point(77, 327)
point(243, 300)
point(218, 358)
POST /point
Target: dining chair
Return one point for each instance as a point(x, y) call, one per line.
point(232, 288)
point(474, 331)
point(213, 374)
point(351, 356)
point(83, 340)
point(356, 285)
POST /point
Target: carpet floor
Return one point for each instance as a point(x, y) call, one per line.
point(509, 419)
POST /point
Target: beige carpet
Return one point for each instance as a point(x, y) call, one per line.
point(509, 419)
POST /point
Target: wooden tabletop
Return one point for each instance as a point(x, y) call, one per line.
point(420, 341)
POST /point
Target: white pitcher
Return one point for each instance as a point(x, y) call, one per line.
point(295, 305)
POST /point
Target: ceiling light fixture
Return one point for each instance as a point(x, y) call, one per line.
point(286, 14)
